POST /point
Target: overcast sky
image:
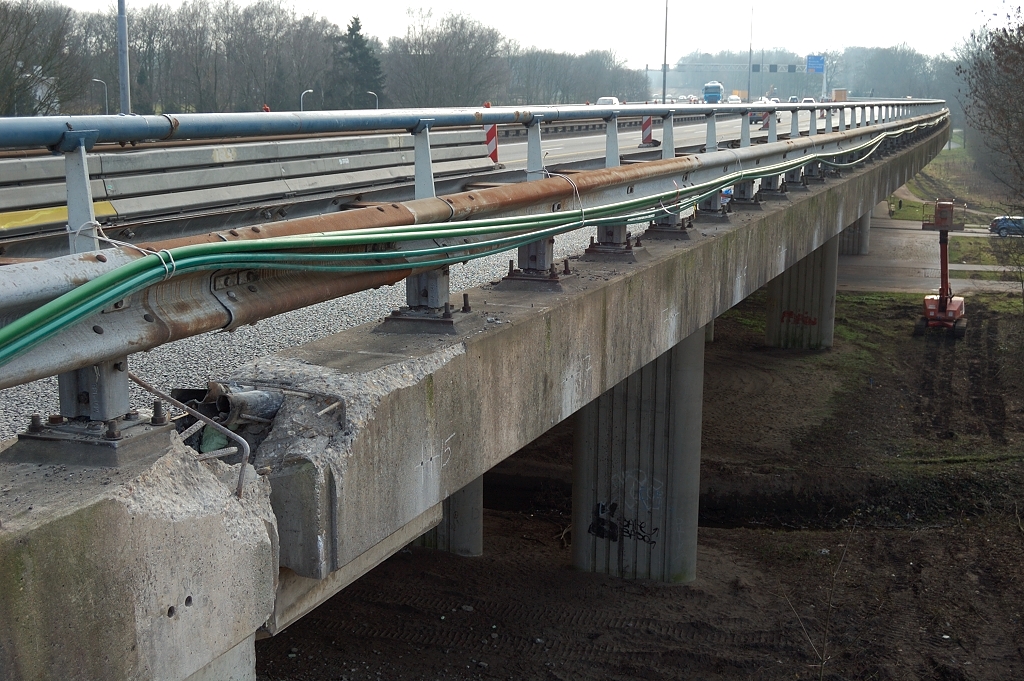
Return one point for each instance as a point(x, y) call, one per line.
point(635, 30)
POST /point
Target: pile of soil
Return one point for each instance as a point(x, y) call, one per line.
point(859, 507)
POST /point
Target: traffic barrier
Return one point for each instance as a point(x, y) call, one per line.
point(646, 128)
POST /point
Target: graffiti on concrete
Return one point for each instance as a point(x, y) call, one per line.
point(605, 524)
point(803, 318)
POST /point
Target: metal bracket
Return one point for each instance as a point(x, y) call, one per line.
point(73, 139)
point(230, 287)
point(91, 443)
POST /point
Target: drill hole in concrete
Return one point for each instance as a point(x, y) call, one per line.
point(170, 611)
point(188, 601)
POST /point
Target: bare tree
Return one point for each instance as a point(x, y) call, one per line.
point(455, 62)
point(991, 68)
point(40, 58)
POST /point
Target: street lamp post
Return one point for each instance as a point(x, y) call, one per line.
point(302, 97)
point(376, 100)
point(106, 102)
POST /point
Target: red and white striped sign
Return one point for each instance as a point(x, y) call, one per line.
point(492, 141)
point(648, 130)
point(491, 134)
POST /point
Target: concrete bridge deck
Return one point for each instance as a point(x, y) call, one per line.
point(154, 570)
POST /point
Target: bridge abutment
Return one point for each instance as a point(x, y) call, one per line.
point(802, 301)
point(636, 471)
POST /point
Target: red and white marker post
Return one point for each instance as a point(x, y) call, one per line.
point(491, 134)
point(647, 127)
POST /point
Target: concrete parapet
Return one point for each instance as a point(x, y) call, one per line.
point(149, 571)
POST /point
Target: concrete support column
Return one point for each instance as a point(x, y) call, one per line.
point(636, 471)
point(461, 530)
point(238, 664)
point(864, 230)
point(854, 240)
point(802, 301)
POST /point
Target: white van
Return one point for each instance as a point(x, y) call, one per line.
point(607, 101)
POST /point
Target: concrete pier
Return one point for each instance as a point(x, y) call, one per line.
point(802, 301)
point(636, 471)
point(461, 530)
point(856, 239)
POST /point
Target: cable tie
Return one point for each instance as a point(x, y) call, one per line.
point(168, 271)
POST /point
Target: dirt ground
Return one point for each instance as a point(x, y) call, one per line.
point(859, 507)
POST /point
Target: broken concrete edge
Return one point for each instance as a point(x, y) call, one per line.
point(308, 450)
point(148, 571)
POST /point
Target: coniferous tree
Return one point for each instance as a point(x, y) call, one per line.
point(357, 71)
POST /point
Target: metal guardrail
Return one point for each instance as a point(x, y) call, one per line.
point(390, 242)
point(67, 132)
point(146, 184)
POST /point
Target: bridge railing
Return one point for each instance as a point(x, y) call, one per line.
point(138, 296)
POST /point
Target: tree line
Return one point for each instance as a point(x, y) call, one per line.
point(991, 64)
point(890, 72)
point(220, 56)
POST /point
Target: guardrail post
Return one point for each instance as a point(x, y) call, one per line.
point(99, 392)
point(611, 141)
point(421, 148)
point(427, 289)
point(842, 119)
point(537, 256)
point(812, 126)
point(794, 125)
point(668, 136)
point(534, 154)
point(713, 203)
point(81, 218)
point(770, 183)
point(744, 191)
point(828, 119)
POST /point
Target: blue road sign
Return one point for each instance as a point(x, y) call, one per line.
point(815, 63)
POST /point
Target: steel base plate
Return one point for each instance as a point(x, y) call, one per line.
point(75, 443)
point(408, 320)
point(613, 253)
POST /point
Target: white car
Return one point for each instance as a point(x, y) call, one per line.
point(734, 99)
point(808, 100)
point(607, 101)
